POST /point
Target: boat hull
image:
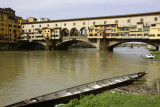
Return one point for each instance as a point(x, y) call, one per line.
point(65, 100)
point(99, 87)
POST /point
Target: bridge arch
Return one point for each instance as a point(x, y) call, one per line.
point(83, 31)
point(31, 46)
point(65, 32)
point(65, 45)
point(74, 32)
point(113, 44)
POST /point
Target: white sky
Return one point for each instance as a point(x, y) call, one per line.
point(64, 9)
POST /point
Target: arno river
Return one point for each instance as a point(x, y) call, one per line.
point(26, 74)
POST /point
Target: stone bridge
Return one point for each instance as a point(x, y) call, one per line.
point(102, 44)
point(109, 44)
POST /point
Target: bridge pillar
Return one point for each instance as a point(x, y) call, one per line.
point(157, 48)
point(102, 45)
point(50, 45)
point(110, 49)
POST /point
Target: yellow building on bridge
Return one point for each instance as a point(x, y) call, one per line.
point(103, 31)
point(114, 31)
point(155, 31)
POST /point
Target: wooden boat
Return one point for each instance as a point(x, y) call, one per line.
point(64, 96)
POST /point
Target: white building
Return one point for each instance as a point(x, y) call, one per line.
point(43, 19)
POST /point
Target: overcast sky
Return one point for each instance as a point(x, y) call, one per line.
point(64, 9)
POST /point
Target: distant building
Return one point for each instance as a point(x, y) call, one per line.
point(10, 26)
point(42, 19)
point(9, 11)
point(31, 19)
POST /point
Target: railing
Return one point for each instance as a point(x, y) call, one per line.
point(37, 39)
point(56, 37)
point(108, 32)
point(127, 37)
point(23, 39)
point(74, 37)
point(36, 34)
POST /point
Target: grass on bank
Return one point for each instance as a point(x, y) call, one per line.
point(115, 99)
point(151, 49)
point(156, 53)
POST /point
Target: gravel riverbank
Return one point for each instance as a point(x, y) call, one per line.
point(138, 89)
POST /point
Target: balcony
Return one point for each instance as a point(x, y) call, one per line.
point(133, 30)
point(38, 38)
point(75, 37)
point(108, 31)
point(23, 38)
point(100, 36)
point(146, 29)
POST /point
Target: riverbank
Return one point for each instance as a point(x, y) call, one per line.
point(151, 49)
point(134, 95)
point(156, 54)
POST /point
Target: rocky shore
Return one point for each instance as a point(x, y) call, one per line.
point(133, 95)
point(137, 88)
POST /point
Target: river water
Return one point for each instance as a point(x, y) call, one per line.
point(26, 74)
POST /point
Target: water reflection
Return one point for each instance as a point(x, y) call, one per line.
point(25, 74)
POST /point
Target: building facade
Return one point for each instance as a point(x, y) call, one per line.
point(31, 19)
point(114, 31)
point(155, 31)
point(124, 25)
point(10, 26)
point(51, 33)
point(42, 19)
